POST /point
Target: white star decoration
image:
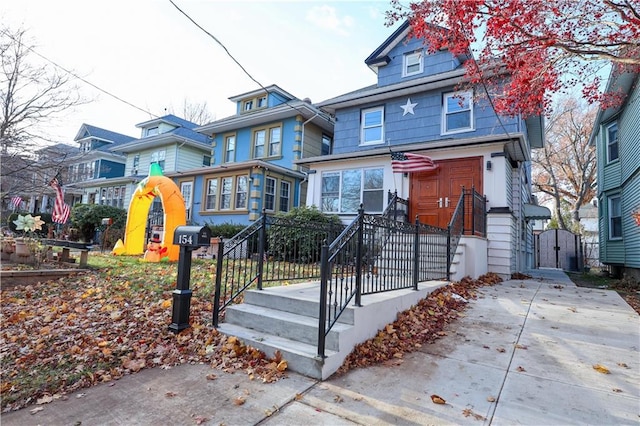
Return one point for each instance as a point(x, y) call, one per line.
point(408, 107)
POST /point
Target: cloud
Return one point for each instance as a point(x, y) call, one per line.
point(327, 18)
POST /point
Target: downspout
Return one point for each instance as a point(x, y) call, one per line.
point(306, 178)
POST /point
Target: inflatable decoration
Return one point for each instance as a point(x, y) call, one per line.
point(175, 214)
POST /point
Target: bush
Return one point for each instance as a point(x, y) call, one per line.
point(88, 217)
point(298, 235)
point(225, 230)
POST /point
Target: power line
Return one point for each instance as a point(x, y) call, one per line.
point(228, 53)
point(90, 83)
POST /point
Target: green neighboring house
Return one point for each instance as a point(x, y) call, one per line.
point(616, 135)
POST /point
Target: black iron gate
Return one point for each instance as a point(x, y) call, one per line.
point(559, 248)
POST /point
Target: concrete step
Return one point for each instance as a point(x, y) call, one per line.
point(299, 328)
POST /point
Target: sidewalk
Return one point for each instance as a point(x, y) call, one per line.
point(523, 354)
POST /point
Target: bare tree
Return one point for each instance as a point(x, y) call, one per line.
point(32, 94)
point(565, 169)
point(194, 111)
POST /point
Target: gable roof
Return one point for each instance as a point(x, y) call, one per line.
point(169, 119)
point(89, 131)
point(270, 89)
point(622, 83)
point(380, 57)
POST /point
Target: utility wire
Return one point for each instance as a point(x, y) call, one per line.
point(85, 80)
point(228, 53)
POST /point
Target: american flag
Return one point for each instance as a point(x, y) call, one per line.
point(60, 209)
point(407, 163)
point(16, 201)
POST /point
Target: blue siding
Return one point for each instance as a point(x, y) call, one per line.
point(424, 125)
point(110, 169)
point(435, 63)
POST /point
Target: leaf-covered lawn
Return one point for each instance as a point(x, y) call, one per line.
point(75, 332)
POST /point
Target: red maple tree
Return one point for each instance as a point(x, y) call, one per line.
point(546, 46)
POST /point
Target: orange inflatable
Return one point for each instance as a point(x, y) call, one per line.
point(175, 214)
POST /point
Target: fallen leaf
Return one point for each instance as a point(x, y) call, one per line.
point(601, 369)
point(501, 350)
point(44, 400)
point(36, 410)
point(239, 400)
point(437, 399)
point(81, 395)
point(211, 376)
point(166, 303)
point(468, 412)
point(298, 397)
point(572, 309)
point(520, 369)
point(170, 394)
point(623, 365)
point(337, 398)
point(491, 399)
point(617, 390)
point(200, 420)
point(282, 365)
point(519, 346)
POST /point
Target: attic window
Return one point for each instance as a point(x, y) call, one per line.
point(152, 131)
point(262, 102)
point(412, 64)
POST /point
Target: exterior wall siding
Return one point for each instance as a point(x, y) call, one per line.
point(434, 63)
point(499, 251)
point(423, 125)
point(189, 157)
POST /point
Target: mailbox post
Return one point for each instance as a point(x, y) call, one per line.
point(188, 238)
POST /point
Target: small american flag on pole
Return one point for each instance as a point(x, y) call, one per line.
point(16, 201)
point(402, 162)
point(60, 209)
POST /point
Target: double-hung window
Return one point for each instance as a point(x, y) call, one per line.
point(212, 194)
point(267, 142)
point(270, 194)
point(612, 142)
point(412, 64)
point(285, 196)
point(158, 157)
point(242, 186)
point(372, 126)
point(344, 191)
point(186, 188)
point(615, 217)
point(226, 192)
point(457, 112)
point(230, 149)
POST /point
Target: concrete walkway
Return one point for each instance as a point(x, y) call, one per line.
point(524, 353)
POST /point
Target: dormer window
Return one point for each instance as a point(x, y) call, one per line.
point(253, 104)
point(412, 64)
point(152, 131)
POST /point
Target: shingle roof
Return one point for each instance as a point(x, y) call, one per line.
point(97, 132)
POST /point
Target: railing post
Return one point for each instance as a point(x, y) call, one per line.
point(216, 297)
point(464, 217)
point(322, 316)
point(416, 254)
point(262, 242)
point(449, 252)
point(358, 299)
point(473, 210)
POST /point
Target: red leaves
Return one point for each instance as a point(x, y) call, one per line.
point(539, 43)
point(422, 323)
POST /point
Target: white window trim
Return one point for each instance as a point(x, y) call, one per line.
point(466, 94)
point(362, 128)
point(340, 174)
point(608, 144)
point(405, 65)
point(610, 217)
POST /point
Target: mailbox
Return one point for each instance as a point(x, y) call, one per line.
point(192, 236)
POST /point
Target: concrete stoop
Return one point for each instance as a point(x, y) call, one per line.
point(285, 319)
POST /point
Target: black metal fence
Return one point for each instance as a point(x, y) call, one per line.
point(270, 249)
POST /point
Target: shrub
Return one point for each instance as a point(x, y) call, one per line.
point(225, 230)
point(88, 217)
point(298, 234)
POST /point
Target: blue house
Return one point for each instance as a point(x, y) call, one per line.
point(616, 135)
point(415, 108)
point(172, 143)
point(95, 174)
point(252, 158)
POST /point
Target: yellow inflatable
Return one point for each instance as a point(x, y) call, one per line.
point(175, 215)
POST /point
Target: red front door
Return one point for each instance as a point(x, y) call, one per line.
point(434, 195)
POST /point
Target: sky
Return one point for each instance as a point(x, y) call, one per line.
point(149, 54)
